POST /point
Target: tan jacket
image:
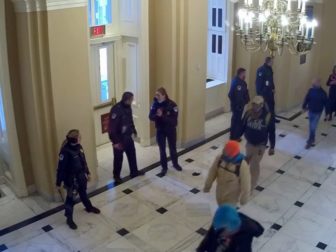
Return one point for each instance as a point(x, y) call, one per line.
point(231, 189)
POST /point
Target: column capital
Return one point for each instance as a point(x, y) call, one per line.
point(46, 5)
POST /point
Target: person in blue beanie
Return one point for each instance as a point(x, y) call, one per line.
point(315, 102)
point(232, 174)
point(230, 232)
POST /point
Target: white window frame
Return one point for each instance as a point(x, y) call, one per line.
point(218, 64)
point(112, 28)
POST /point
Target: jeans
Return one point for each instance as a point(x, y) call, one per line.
point(314, 119)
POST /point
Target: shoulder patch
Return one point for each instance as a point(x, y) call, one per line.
point(113, 116)
point(176, 109)
point(81, 150)
point(61, 157)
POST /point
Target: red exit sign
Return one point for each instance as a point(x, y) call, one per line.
point(97, 31)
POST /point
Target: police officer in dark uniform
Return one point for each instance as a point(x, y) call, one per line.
point(164, 112)
point(265, 85)
point(121, 132)
point(74, 173)
point(239, 98)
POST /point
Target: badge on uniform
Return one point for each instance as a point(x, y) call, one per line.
point(61, 157)
point(81, 150)
point(114, 116)
point(260, 74)
point(239, 88)
point(176, 109)
point(267, 83)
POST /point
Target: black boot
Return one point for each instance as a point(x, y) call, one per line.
point(71, 224)
point(93, 210)
point(139, 173)
point(163, 173)
point(178, 167)
point(118, 181)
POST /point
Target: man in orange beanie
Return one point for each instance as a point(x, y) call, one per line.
point(232, 174)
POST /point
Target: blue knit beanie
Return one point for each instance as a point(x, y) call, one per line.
point(226, 217)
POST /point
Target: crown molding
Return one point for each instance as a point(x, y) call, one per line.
point(46, 5)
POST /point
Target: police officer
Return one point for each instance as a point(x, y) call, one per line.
point(164, 112)
point(121, 132)
point(239, 97)
point(258, 128)
point(74, 173)
point(265, 85)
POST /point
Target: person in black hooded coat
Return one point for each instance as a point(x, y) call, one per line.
point(230, 232)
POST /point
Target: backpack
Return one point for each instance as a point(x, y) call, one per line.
point(237, 168)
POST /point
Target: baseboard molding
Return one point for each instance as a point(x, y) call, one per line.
point(31, 189)
point(191, 143)
point(214, 113)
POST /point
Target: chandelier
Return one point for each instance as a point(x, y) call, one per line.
point(271, 25)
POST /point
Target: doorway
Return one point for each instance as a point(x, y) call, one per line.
point(103, 85)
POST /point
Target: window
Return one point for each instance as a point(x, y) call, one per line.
point(100, 12)
point(217, 41)
point(103, 72)
point(2, 118)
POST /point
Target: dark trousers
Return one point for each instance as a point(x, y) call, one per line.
point(271, 105)
point(129, 149)
point(161, 137)
point(80, 185)
point(236, 124)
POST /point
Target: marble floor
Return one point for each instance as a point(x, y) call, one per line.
point(294, 201)
point(33, 205)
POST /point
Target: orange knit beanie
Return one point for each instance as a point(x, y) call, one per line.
point(232, 149)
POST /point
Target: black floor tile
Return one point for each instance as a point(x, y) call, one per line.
point(324, 134)
point(317, 184)
point(331, 168)
point(298, 157)
point(123, 232)
point(162, 210)
point(214, 147)
point(298, 204)
point(47, 228)
point(280, 171)
point(334, 125)
point(189, 160)
point(194, 191)
point(202, 231)
point(282, 135)
point(260, 188)
point(321, 245)
point(296, 126)
point(3, 247)
point(276, 227)
point(195, 174)
point(127, 191)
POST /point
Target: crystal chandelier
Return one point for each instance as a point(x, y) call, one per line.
point(271, 25)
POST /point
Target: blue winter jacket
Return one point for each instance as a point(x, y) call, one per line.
point(316, 100)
